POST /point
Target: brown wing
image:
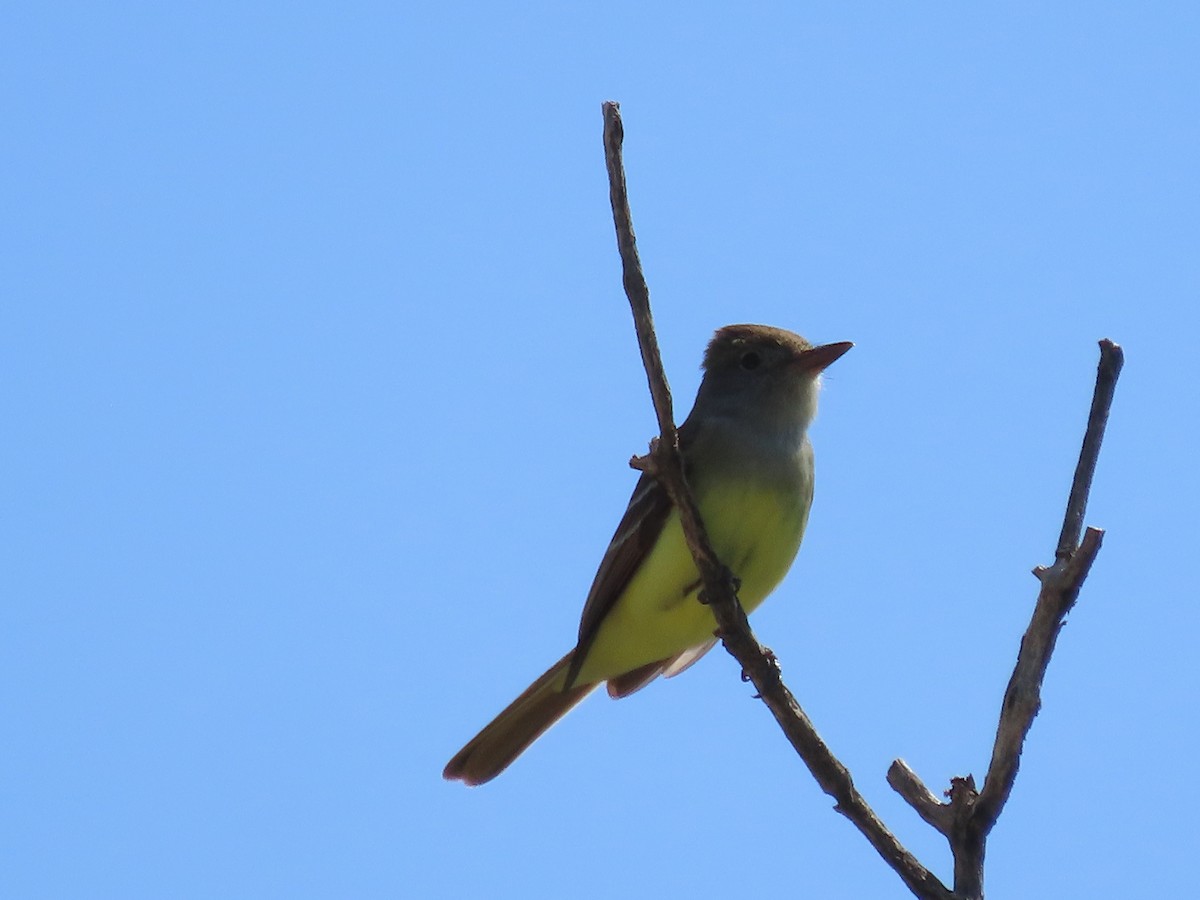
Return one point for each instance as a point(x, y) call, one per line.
point(640, 527)
point(631, 682)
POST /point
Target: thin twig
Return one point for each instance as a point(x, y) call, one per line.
point(970, 816)
point(1112, 358)
point(632, 277)
point(664, 461)
point(758, 664)
point(1060, 588)
point(908, 785)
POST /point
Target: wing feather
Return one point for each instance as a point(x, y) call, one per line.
point(637, 533)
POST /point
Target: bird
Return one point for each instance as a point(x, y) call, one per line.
point(749, 463)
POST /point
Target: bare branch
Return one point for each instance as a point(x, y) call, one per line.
point(909, 786)
point(1112, 357)
point(664, 460)
point(719, 592)
point(969, 815)
point(1023, 697)
point(1060, 588)
point(632, 277)
point(1023, 700)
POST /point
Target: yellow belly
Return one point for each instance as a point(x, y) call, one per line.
point(755, 531)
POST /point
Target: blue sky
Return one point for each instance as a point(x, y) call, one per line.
point(320, 384)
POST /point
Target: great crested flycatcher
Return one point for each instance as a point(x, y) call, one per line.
point(750, 467)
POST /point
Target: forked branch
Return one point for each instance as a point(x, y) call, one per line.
point(969, 815)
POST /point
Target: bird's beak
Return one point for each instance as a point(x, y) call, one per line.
point(815, 359)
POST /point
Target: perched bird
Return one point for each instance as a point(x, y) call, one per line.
point(749, 464)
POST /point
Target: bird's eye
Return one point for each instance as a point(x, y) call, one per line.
point(750, 360)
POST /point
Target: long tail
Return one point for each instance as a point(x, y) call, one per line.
point(523, 721)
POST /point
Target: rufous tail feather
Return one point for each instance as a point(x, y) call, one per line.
point(520, 724)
